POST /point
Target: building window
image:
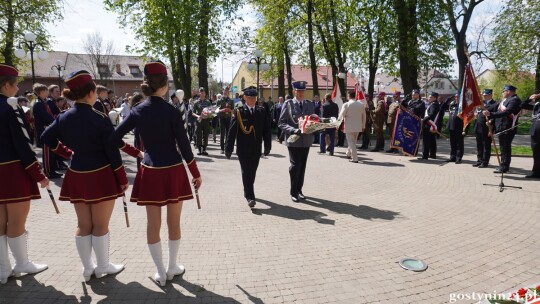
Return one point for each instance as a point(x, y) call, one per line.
point(242, 83)
point(442, 85)
point(135, 70)
point(104, 70)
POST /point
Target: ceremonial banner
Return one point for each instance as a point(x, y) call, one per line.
point(470, 96)
point(359, 93)
point(407, 132)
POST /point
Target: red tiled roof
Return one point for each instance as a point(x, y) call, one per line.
point(303, 73)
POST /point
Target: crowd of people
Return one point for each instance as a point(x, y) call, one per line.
point(75, 126)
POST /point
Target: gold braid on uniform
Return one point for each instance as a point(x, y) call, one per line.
point(241, 123)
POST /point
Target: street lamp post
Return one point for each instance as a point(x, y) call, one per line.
point(255, 63)
point(30, 41)
point(59, 67)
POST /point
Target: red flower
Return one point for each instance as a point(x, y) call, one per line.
point(522, 292)
point(538, 288)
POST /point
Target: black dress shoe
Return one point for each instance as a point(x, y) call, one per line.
point(483, 166)
point(451, 160)
point(54, 174)
point(477, 164)
point(353, 161)
point(204, 153)
point(331, 153)
point(295, 199)
point(222, 152)
point(251, 203)
point(533, 176)
point(301, 196)
point(375, 150)
point(422, 158)
point(458, 161)
point(199, 153)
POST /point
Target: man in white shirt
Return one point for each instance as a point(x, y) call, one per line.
point(354, 114)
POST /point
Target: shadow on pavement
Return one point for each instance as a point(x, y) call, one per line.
point(31, 290)
point(361, 211)
point(115, 291)
point(253, 299)
point(385, 164)
point(291, 212)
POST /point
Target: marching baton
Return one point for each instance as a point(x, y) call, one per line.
point(197, 195)
point(125, 210)
point(52, 199)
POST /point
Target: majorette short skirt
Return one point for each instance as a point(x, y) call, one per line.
point(161, 186)
point(16, 184)
point(90, 187)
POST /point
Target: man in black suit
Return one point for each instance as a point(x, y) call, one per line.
point(481, 130)
point(250, 124)
point(429, 143)
point(329, 109)
point(535, 132)
point(506, 117)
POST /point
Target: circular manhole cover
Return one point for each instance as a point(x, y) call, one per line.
point(413, 264)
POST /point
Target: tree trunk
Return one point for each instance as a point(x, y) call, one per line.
point(281, 75)
point(537, 79)
point(312, 60)
point(408, 43)
point(462, 58)
point(7, 52)
point(202, 57)
point(288, 67)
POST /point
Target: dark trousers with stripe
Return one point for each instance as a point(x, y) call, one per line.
point(49, 160)
point(505, 141)
point(224, 125)
point(298, 158)
point(483, 148)
point(249, 166)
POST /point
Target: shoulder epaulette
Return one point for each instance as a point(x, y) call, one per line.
point(99, 113)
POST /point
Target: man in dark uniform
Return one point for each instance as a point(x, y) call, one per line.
point(43, 117)
point(429, 142)
point(250, 124)
point(379, 115)
point(100, 105)
point(225, 105)
point(455, 129)
point(329, 109)
point(505, 117)
point(417, 105)
point(275, 117)
point(366, 142)
point(54, 94)
point(317, 107)
point(293, 109)
point(391, 119)
point(535, 133)
point(202, 127)
point(481, 130)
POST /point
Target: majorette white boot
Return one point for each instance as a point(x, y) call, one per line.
point(101, 249)
point(174, 269)
point(19, 249)
point(84, 247)
point(155, 250)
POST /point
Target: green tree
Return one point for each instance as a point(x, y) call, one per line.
point(20, 16)
point(186, 32)
point(516, 43)
point(423, 39)
point(460, 12)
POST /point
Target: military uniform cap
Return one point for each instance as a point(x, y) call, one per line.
point(155, 67)
point(201, 89)
point(78, 79)
point(509, 87)
point(250, 91)
point(381, 94)
point(487, 92)
point(417, 91)
point(434, 94)
point(299, 85)
point(397, 93)
point(7, 70)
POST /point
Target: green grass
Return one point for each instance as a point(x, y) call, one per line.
point(521, 151)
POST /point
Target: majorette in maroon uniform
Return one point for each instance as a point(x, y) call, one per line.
point(19, 174)
point(162, 179)
point(95, 176)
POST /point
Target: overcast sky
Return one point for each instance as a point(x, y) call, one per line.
point(84, 17)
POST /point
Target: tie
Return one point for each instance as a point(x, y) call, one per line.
point(251, 110)
point(300, 103)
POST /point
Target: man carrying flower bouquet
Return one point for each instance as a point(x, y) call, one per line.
point(250, 124)
point(294, 109)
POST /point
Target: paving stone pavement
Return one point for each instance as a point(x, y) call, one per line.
point(340, 245)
